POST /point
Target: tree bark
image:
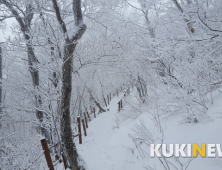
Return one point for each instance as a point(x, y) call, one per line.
point(68, 145)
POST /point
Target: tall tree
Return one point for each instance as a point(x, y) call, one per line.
point(24, 19)
point(70, 43)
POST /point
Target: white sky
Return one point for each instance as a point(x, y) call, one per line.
point(7, 31)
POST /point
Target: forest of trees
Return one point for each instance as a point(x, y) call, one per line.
point(64, 56)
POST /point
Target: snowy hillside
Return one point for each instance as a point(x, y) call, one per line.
point(110, 147)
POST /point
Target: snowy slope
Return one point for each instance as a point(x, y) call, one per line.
point(110, 148)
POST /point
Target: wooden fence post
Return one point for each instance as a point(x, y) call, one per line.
point(86, 119)
point(84, 127)
point(64, 161)
point(118, 106)
point(105, 101)
point(108, 99)
point(79, 130)
point(121, 103)
point(94, 111)
point(88, 116)
point(47, 154)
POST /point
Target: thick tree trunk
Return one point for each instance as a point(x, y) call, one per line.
point(68, 145)
point(33, 69)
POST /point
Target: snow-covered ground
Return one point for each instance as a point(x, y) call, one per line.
point(109, 147)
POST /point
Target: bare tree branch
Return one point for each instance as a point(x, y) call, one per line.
point(79, 33)
point(178, 5)
point(15, 13)
point(2, 18)
point(59, 18)
point(189, 24)
point(205, 24)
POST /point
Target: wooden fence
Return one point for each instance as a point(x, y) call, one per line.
point(82, 124)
